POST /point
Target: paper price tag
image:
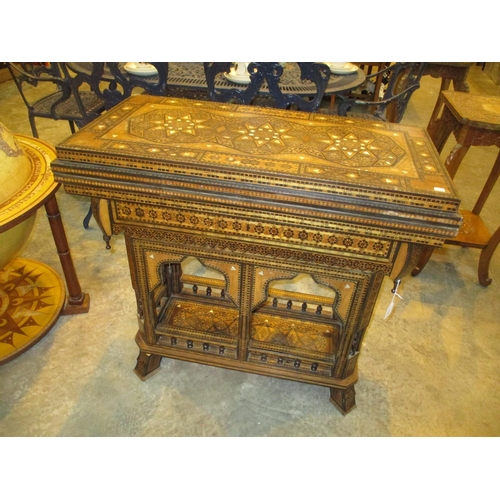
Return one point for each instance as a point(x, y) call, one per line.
point(395, 294)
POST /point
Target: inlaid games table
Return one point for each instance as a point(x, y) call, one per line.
point(258, 238)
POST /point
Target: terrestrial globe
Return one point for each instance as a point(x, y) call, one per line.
point(15, 173)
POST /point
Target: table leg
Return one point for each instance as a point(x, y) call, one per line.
point(455, 158)
point(343, 399)
point(147, 364)
point(332, 102)
point(77, 302)
point(485, 258)
point(490, 183)
point(440, 130)
point(425, 256)
point(445, 85)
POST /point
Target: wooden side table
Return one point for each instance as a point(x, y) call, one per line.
point(475, 121)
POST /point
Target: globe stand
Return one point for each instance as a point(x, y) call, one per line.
point(32, 295)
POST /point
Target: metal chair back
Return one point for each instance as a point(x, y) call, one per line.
point(265, 86)
point(54, 96)
point(402, 80)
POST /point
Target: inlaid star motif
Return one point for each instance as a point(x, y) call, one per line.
point(367, 148)
point(260, 137)
point(21, 301)
point(304, 139)
point(178, 125)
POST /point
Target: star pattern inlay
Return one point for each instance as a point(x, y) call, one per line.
point(177, 125)
point(23, 303)
point(264, 135)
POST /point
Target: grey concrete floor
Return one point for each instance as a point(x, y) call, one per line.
point(430, 369)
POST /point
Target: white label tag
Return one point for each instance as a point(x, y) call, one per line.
point(391, 305)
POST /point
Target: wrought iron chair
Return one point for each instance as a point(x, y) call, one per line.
point(59, 102)
point(268, 75)
point(112, 84)
point(402, 80)
point(370, 89)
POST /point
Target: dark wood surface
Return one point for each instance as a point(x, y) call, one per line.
point(291, 219)
point(4, 73)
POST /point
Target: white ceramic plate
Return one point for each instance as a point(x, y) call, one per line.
point(242, 79)
point(346, 70)
point(140, 69)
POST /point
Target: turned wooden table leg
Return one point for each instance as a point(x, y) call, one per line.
point(77, 301)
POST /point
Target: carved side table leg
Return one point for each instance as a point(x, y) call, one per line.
point(343, 399)
point(485, 257)
point(490, 184)
point(425, 256)
point(147, 364)
point(77, 302)
point(455, 158)
point(441, 129)
point(445, 85)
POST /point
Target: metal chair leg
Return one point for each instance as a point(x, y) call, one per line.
point(87, 218)
point(33, 126)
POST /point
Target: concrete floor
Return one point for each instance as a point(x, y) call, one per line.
point(430, 369)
